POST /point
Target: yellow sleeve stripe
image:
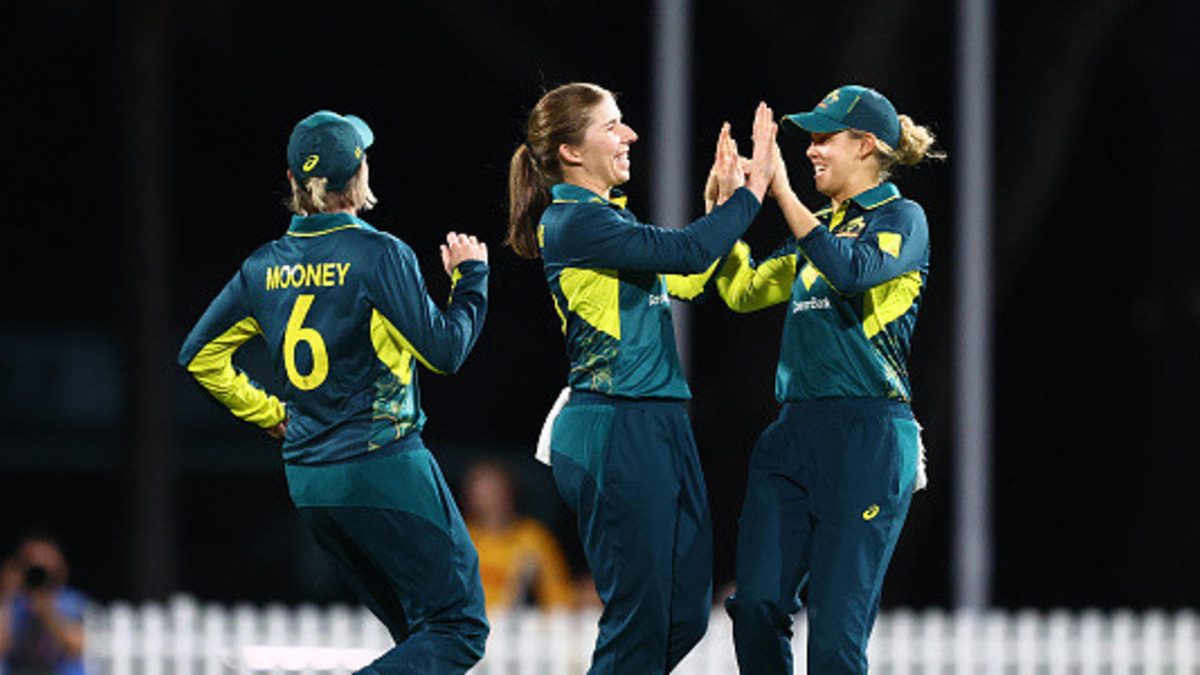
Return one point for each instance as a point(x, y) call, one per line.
point(594, 295)
point(394, 349)
point(889, 301)
point(213, 369)
point(688, 286)
point(746, 288)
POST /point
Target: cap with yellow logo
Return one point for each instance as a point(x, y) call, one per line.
point(852, 107)
point(328, 145)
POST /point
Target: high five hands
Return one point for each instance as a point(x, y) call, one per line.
point(730, 171)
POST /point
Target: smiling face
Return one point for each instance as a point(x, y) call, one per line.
point(843, 165)
point(601, 161)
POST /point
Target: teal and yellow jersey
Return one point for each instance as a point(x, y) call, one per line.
point(853, 286)
point(346, 316)
point(611, 279)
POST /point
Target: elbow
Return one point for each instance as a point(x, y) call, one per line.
point(448, 363)
point(847, 283)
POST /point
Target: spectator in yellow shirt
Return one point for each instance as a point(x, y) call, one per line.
point(520, 562)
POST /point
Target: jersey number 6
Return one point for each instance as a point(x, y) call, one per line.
point(297, 333)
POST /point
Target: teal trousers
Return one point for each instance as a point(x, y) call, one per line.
point(398, 540)
point(829, 487)
point(630, 471)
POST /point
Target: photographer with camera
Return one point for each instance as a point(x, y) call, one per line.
point(41, 619)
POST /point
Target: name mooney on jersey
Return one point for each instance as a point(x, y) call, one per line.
point(300, 276)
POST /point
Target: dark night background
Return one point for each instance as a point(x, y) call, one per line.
point(143, 160)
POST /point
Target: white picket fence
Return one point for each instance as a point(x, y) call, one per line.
point(184, 637)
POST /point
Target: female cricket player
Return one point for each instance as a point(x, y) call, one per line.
point(623, 454)
point(831, 479)
point(346, 316)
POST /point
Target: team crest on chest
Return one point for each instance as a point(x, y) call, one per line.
point(851, 229)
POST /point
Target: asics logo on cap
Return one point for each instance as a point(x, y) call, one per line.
point(871, 512)
point(311, 162)
point(357, 153)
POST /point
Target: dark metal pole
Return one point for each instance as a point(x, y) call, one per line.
point(671, 137)
point(151, 570)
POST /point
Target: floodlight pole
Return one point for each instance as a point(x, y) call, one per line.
point(671, 135)
point(152, 572)
point(972, 554)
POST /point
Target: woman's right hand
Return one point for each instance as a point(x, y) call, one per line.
point(726, 175)
point(460, 247)
point(763, 159)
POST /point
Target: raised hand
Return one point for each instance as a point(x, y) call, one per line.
point(460, 247)
point(780, 185)
point(762, 159)
point(726, 175)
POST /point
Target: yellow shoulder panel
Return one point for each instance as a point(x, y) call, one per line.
point(889, 301)
point(595, 295)
point(391, 347)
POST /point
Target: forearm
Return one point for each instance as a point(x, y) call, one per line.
point(746, 287)
point(67, 634)
point(693, 249)
point(690, 286)
point(800, 220)
point(441, 339)
point(466, 311)
point(212, 367)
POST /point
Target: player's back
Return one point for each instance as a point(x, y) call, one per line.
point(346, 315)
point(309, 291)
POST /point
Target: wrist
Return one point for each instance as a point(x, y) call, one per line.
point(758, 185)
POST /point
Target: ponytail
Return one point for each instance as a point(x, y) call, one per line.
point(528, 196)
point(560, 117)
point(915, 146)
point(916, 143)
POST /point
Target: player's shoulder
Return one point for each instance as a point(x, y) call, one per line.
point(567, 228)
point(570, 214)
point(901, 212)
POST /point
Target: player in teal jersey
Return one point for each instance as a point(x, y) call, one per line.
point(346, 316)
point(624, 457)
point(831, 480)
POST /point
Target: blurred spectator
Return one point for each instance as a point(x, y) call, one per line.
point(520, 562)
point(41, 619)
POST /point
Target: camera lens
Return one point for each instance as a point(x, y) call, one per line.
point(36, 577)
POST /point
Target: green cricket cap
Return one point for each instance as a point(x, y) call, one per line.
point(328, 145)
point(852, 106)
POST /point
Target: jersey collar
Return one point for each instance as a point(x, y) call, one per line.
point(567, 193)
point(877, 196)
point(868, 199)
point(324, 223)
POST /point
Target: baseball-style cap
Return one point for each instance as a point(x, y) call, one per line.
point(328, 145)
point(852, 107)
